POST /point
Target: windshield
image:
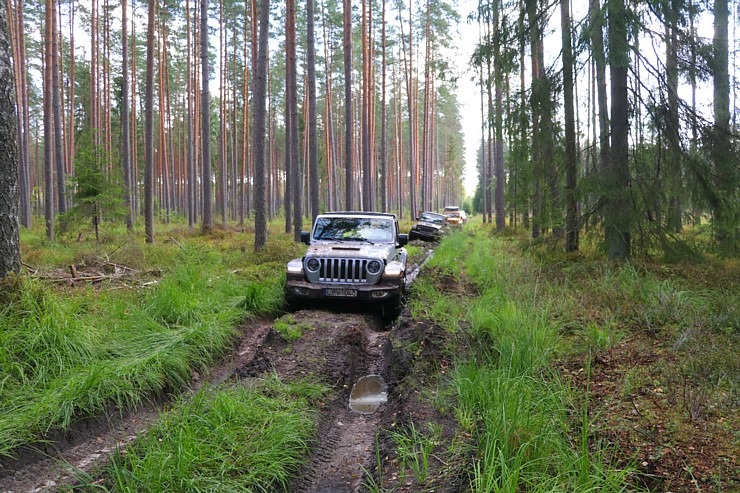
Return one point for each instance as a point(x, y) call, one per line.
point(371, 229)
point(432, 218)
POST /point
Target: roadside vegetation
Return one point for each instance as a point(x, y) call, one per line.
point(576, 375)
point(69, 349)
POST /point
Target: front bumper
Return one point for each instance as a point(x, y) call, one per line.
point(376, 293)
point(427, 236)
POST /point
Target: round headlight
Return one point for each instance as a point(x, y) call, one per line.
point(313, 265)
point(374, 266)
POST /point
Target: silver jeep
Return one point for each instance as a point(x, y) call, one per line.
point(351, 256)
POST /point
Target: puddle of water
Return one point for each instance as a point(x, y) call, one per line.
point(368, 394)
point(415, 272)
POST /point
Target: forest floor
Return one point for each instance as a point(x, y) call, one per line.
point(356, 452)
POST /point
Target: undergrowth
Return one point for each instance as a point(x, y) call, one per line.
point(71, 353)
point(531, 428)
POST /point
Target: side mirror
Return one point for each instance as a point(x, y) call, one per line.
point(403, 239)
point(306, 237)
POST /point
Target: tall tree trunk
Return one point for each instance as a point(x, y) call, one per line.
point(135, 148)
point(149, 128)
point(48, 127)
point(482, 158)
point(125, 128)
point(15, 26)
point(617, 220)
point(383, 119)
point(410, 97)
point(499, 153)
point(332, 195)
point(222, 115)
point(489, 118)
point(349, 121)
point(674, 154)
point(313, 142)
point(537, 117)
point(57, 111)
point(192, 207)
point(289, 163)
point(571, 165)
point(105, 108)
point(260, 96)
point(94, 127)
point(725, 207)
point(292, 101)
point(365, 110)
point(426, 162)
point(207, 225)
point(10, 245)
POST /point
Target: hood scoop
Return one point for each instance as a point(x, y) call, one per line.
point(352, 249)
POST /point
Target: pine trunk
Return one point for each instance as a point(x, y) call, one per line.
point(149, 128)
point(48, 127)
point(125, 128)
point(260, 161)
point(616, 180)
point(10, 248)
point(571, 165)
point(205, 113)
point(349, 121)
point(313, 143)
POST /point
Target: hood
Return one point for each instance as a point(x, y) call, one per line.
point(430, 225)
point(351, 250)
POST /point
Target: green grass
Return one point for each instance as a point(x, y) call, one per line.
point(67, 354)
point(414, 448)
point(520, 411)
point(287, 327)
point(238, 439)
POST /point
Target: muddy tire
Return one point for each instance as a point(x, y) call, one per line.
point(293, 304)
point(390, 310)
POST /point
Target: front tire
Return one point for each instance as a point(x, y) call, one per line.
point(390, 311)
point(293, 303)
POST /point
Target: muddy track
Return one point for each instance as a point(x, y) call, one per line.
point(337, 348)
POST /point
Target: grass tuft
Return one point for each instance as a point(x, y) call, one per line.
point(238, 439)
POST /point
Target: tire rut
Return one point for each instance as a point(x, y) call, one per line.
point(338, 349)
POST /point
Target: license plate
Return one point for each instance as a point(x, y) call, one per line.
point(342, 292)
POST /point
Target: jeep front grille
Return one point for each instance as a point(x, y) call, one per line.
point(349, 270)
point(426, 229)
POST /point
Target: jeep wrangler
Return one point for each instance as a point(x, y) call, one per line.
point(351, 256)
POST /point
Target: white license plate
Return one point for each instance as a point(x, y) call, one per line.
point(342, 292)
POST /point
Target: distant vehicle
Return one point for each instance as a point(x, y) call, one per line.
point(464, 216)
point(351, 256)
point(453, 215)
point(430, 226)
